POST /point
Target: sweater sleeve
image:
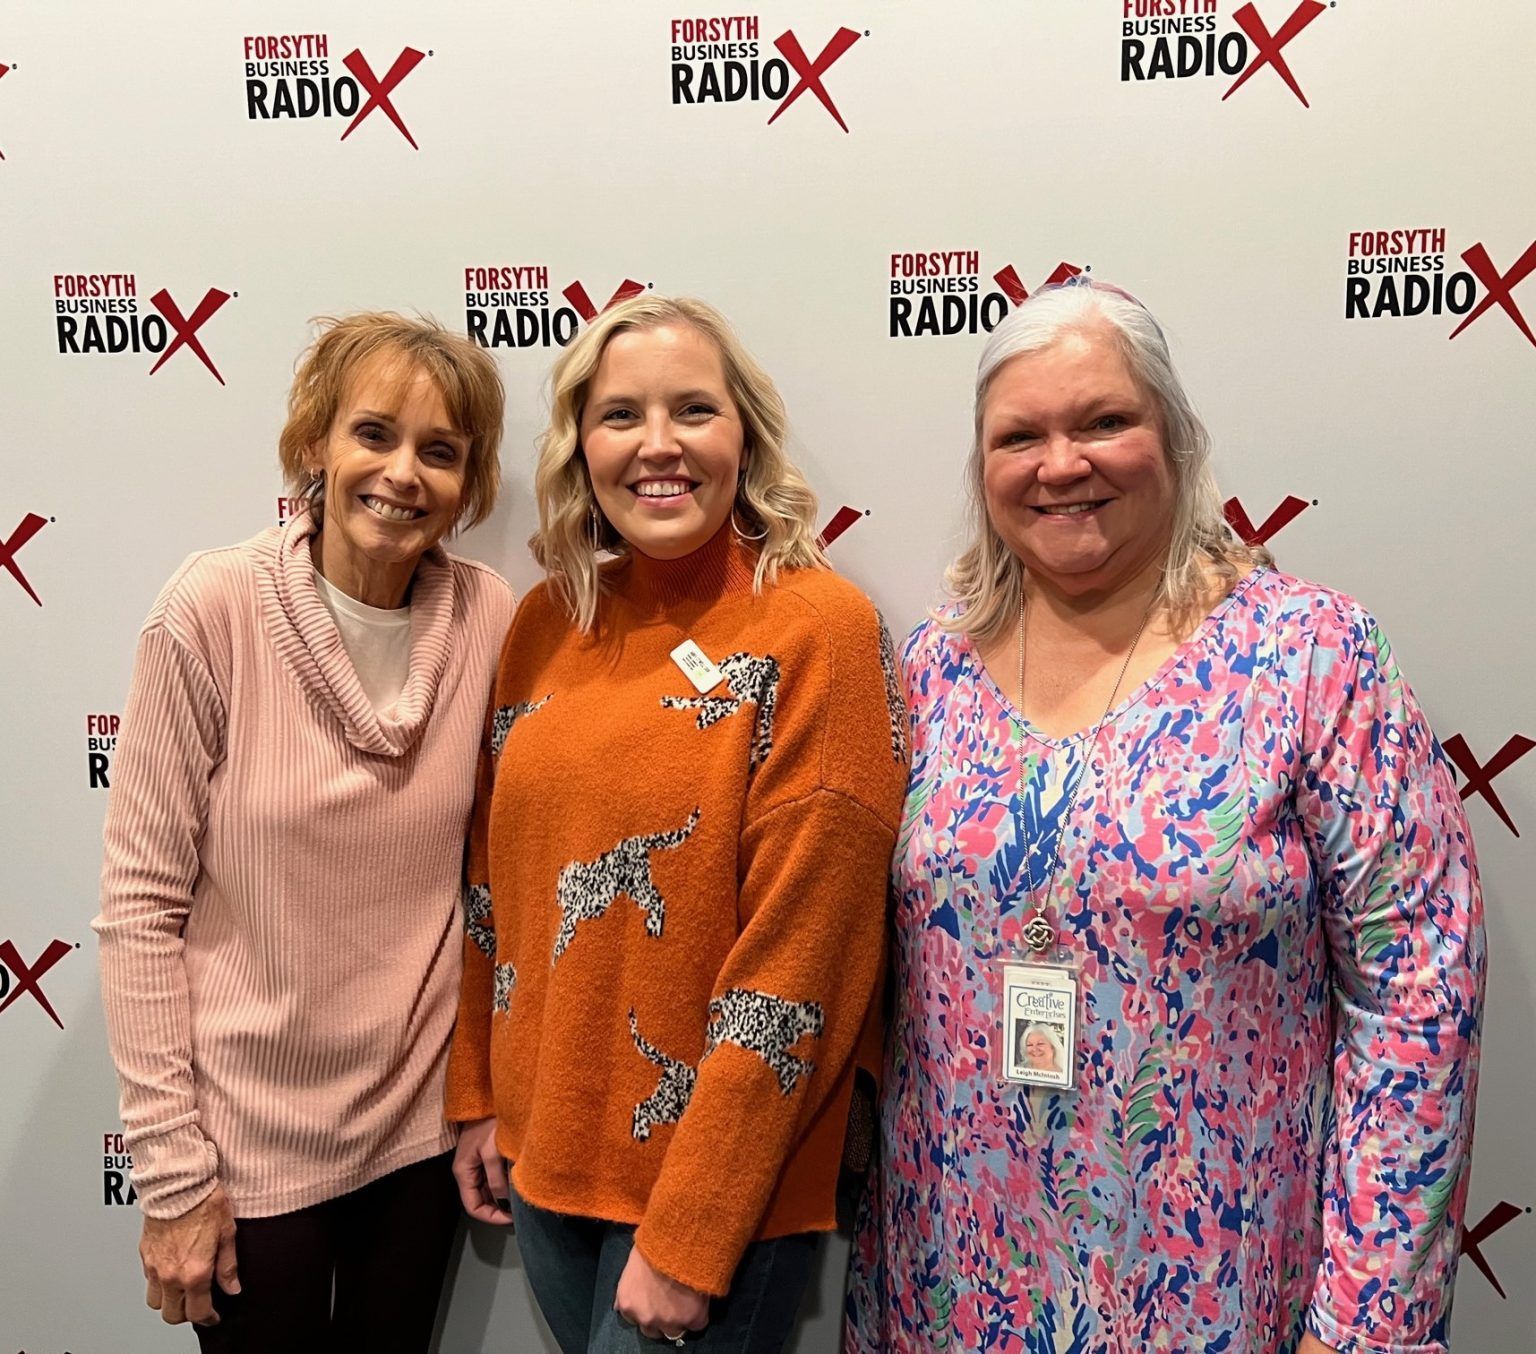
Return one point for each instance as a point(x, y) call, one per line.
point(1402, 911)
point(172, 739)
point(468, 1094)
point(788, 1004)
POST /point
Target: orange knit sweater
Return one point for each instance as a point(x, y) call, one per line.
point(676, 902)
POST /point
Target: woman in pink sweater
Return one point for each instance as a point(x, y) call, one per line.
point(279, 925)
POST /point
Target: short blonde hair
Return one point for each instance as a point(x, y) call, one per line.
point(986, 581)
point(464, 372)
point(773, 500)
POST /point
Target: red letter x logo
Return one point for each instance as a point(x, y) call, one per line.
point(1289, 510)
point(1480, 778)
point(186, 326)
point(27, 978)
point(380, 90)
point(1269, 45)
point(576, 294)
point(810, 72)
point(1499, 1216)
point(30, 525)
point(1499, 288)
point(842, 519)
point(1015, 291)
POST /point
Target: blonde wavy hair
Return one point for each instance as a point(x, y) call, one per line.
point(773, 500)
point(986, 580)
point(464, 373)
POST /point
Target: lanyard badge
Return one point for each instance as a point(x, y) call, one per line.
point(1035, 1036)
point(1039, 1025)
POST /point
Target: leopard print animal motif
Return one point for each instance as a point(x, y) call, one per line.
point(508, 715)
point(477, 918)
point(768, 1026)
point(747, 678)
point(504, 981)
point(665, 1105)
point(586, 889)
point(895, 705)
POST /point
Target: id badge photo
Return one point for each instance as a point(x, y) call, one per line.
point(1039, 1013)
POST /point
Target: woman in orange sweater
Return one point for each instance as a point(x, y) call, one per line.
point(689, 793)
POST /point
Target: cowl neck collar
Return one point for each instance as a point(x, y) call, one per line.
point(306, 640)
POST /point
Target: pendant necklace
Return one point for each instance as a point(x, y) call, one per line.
point(1039, 933)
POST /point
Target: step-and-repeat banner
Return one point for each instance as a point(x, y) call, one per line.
point(1331, 207)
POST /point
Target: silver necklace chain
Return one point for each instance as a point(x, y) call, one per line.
point(1039, 934)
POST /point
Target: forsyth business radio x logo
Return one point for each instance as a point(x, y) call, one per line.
point(810, 72)
point(513, 306)
point(940, 292)
point(1180, 40)
point(291, 75)
point(99, 313)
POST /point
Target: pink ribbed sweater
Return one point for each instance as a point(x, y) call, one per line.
point(280, 941)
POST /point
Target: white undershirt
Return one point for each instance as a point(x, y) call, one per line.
point(378, 642)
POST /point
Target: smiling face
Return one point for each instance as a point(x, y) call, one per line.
point(394, 466)
point(1076, 480)
point(663, 439)
point(1038, 1052)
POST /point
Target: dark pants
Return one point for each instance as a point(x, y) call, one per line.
point(574, 1266)
point(360, 1272)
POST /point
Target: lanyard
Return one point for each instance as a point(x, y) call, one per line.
point(1039, 933)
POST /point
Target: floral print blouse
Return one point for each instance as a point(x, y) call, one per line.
point(1270, 892)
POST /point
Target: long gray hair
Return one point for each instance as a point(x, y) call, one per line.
point(987, 578)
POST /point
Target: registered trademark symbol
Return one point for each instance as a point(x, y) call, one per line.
point(430, 52)
point(236, 295)
point(53, 519)
point(866, 32)
point(77, 944)
point(1314, 503)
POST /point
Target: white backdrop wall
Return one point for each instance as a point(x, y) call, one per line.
point(547, 139)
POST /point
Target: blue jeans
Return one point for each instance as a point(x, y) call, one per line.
point(574, 1266)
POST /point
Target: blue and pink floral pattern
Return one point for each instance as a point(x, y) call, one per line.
point(1271, 892)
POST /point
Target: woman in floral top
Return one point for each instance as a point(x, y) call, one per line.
point(1204, 790)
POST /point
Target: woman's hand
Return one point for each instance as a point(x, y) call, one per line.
point(481, 1173)
point(182, 1257)
point(661, 1307)
point(1310, 1344)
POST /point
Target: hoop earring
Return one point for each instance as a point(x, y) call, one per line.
point(735, 526)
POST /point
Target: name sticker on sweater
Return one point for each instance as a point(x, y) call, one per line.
point(696, 667)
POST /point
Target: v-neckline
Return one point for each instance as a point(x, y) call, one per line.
point(1196, 642)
